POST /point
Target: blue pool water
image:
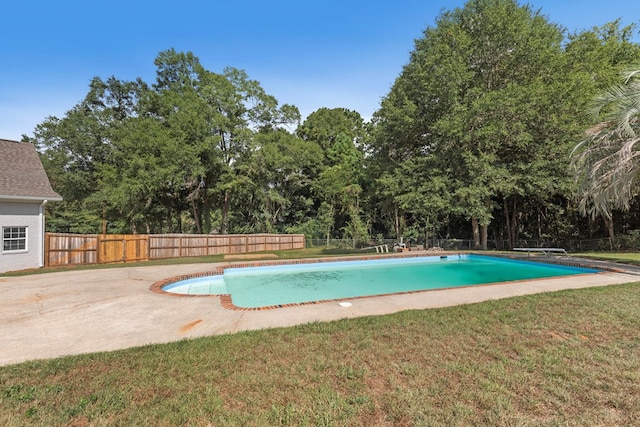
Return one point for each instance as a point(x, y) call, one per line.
point(253, 287)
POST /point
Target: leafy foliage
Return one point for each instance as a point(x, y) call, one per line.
point(607, 161)
point(473, 140)
point(487, 99)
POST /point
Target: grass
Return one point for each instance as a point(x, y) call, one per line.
point(565, 358)
point(632, 258)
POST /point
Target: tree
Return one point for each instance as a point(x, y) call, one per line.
point(200, 127)
point(74, 147)
point(282, 169)
point(342, 135)
point(482, 96)
point(169, 156)
point(607, 162)
point(339, 189)
point(324, 125)
point(424, 196)
point(149, 176)
point(598, 56)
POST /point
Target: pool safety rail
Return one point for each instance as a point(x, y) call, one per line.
point(545, 251)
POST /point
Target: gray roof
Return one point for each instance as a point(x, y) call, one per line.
point(22, 176)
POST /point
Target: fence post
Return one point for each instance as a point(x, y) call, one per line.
point(98, 248)
point(46, 249)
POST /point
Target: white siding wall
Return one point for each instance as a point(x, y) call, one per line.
point(21, 215)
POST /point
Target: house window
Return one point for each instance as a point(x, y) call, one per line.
point(14, 239)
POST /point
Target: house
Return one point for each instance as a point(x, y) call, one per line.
point(24, 190)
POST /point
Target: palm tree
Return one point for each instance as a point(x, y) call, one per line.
point(607, 161)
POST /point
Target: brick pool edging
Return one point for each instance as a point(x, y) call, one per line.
point(226, 302)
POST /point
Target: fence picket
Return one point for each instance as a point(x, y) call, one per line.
point(72, 249)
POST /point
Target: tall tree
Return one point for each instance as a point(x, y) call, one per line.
point(325, 124)
point(213, 118)
point(282, 169)
point(170, 156)
point(607, 161)
point(73, 148)
point(482, 95)
point(342, 135)
point(598, 56)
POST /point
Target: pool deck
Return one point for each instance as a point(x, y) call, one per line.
point(55, 314)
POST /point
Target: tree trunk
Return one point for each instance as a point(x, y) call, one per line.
point(169, 220)
point(608, 222)
point(196, 218)
point(207, 215)
point(511, 223)
point(499, 239)
point(476, 232)
point(397, 221)
point(104, 219)
point(225, 212)
point(179, 217)
point(510, 242)
point(484, 229)
point(329, 225)
point(514, 224)
point(426, 236)
point(354, 237)
point(539, 224)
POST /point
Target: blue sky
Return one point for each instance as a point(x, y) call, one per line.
point(311, 54)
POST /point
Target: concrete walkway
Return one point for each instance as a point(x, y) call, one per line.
point(55, 314)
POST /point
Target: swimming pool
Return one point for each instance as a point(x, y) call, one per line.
point(278, 285)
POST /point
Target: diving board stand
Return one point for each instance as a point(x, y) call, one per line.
point(378, 248)
point(545, 251)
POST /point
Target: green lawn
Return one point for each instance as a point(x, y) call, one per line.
point(623, 257)
point(563, 358)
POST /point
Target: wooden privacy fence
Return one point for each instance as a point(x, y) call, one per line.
point(70, 249)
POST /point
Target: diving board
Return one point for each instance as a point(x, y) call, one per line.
point(545, 251)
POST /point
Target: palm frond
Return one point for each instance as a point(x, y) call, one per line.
point(607, 162)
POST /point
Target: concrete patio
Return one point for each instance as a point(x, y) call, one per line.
point(56, 314)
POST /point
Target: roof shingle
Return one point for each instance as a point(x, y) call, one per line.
point(22, 175)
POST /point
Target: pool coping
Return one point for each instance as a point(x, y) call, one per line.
point(86, 311)
point(227, 303)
